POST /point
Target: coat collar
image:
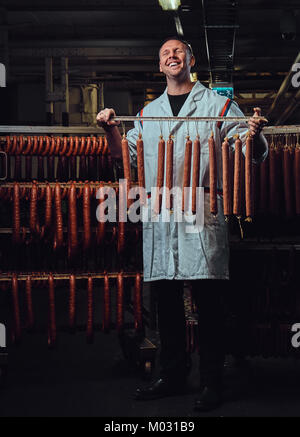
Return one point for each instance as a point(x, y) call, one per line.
point(187, 109)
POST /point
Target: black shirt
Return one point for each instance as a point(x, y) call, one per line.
point(177, 102)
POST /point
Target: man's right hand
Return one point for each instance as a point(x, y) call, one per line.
point(105, 118)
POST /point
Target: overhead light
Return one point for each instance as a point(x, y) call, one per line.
point(169, 5)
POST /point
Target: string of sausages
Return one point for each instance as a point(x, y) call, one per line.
point(52, 328)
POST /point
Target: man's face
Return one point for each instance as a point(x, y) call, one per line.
point(175, 59)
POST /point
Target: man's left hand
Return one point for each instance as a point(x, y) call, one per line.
point(255, 126)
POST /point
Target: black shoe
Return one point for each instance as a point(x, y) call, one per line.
point(160, 388)
point(208, 400)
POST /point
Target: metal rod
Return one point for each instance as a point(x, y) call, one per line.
point(58, 276)
point(175, 119)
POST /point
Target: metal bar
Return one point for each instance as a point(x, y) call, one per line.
point(52, 130)
point(57, 276)
point(225, 119)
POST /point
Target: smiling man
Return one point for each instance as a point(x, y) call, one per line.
point(171, 255)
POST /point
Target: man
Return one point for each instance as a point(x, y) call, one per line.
point(171, 255)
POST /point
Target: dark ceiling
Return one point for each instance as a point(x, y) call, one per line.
point(116, 42)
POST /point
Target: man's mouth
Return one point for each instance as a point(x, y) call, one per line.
point(173, 64)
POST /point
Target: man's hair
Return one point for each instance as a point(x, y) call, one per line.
point(187, 44)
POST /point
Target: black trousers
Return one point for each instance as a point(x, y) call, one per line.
point(207, 295)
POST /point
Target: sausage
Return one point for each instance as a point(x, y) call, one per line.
point(20, 145)
point(16, 308)
point(29, 306)
point(58, 216)
point(263, 186)
point(71, 145)
point(297, 177)
point(28, 148)
point(35, 145)
point(56, 151)
point(122, 219)
point(160, 175)
point(50, 168)
point(59, 169)
point(88, 146)
point(169, 173)
point(212, 175)
point(14, 145)
point(272, 176)
point(226, 179)
point(89, 328)
point(100, 145)
point(52, 318)
point(52, 146)
point(48, 207)
point(106, 305)
point(137, 303)
point(237, 178)
point(126, 159)
point(86, 203)
point(73, 168)
point(41, 145)
point(75, 150)
point(100, 232)
point(186, 171)
point(141, 168)
point(65, 168)
point(16, 214)
point(72, 232)
point(72, 302)
point(47, 147)
point(120, 302)
point(81, 150)
point(7, 144)
point(33, 209)
point(64, 147)
point(249, 178)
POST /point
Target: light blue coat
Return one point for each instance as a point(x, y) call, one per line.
point(169, 252)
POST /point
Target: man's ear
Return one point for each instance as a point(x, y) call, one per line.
point(192, 61)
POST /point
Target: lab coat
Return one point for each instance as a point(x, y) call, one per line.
point(169, 250)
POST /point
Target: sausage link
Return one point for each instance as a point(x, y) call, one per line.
point(90, 324)
point(126, 159)
point(138, 318)
point(14, 145)
point(263, 186)
point(105, 147)
point(88, 146)
point(273, 179)
point(186, 171)
point(82, 167)
point(94, 146)
point(58, 141)
point(48, 207)
point(50, 168)
point(28, 148)
point(29, 306)
point(160, 175)
point(120, 302)
point(41, 145)
point(141, 168)
point(17, 175)
point(288, 183)
point(33, 208)
point(71, 145)
point(212, 175)
point(86, 216)
point(47, 147)
point(52, 318)
point(35, 145)
point(226, 179)
point(72, 302)
point(75, 151)
point(106, 305)
point(237, 179)
point(7, 144)
point(100, 145)
point(52, 146)
point(196, 173)
point(81, 150)
point(40, 168)
point(64, 147)
point(169, 172)
point(249, 178)
point(58, 216)
point(16, 214)
point(72, 233)
point(16, 308)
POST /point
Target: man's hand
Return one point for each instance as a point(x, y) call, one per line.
point(255, 126)
point(105, 118)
